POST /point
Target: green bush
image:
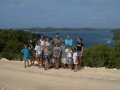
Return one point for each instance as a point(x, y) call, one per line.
point(102, 56)
point(8, 55)
point(20, 56)
point(11, 43)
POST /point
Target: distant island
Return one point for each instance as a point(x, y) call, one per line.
point(51, 29)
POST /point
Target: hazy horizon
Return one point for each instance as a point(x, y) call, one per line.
point(60, 28)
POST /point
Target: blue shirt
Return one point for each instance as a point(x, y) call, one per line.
point(26, 52)
point(69, 42)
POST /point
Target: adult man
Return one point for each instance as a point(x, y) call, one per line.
point(69, 41)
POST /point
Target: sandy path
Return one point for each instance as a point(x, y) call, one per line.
point(14, 77)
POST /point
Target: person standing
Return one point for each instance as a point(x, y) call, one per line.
point(39, 49)
point(42, 44)
point(69, 41)
point(57, 40)
point(56, 55)
point(69, 57)
point(63, 54)
point(26, 57)
point(42, 41)
point(52, 45)
point(47, 43)
point(47, 54)
point(32, 44)
point(32, 51)
point(75, 60)
point(79, 49)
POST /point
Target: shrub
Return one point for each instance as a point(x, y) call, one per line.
point(11, 43)
point(97, 56)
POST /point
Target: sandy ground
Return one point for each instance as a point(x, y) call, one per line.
point(13, 76)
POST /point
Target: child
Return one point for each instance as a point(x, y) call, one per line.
point(38, 49)
point(47, 43)
point(63, 54)
point(32, 52)
point(26, 52)
point(69, 57)
point(47, 57)
point(75, 60)
point(56, 55)
point(42, 44)
point(42, 41)
point(51, 63)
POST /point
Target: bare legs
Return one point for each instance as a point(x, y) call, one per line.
point(26, 64)
point(76, 68)
point(32, 61)
point(46, 63)
point(70, 66)
point(40, 62)
point(57, 63)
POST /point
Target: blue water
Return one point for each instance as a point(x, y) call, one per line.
point(90, 38)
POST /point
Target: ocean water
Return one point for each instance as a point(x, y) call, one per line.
point(90, 38)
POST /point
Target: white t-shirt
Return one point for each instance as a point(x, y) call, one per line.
point(38, 49)
point(68, 52)
point(42, 42)
point(75, 58)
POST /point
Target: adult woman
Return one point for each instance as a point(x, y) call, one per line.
point(79, 49)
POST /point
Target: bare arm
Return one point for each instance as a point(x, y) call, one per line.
point(82, 51)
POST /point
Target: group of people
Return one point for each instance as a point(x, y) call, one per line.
point(54, 53)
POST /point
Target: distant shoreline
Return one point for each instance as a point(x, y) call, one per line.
point(60, 29)
point(64, 29)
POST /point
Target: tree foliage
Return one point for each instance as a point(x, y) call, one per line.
point(11, 43)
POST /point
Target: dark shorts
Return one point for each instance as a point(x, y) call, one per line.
point(56, 59)
point(46, 59)
point(42, 55)
point(33, 52)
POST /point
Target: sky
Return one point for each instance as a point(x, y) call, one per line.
point(60, 13)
